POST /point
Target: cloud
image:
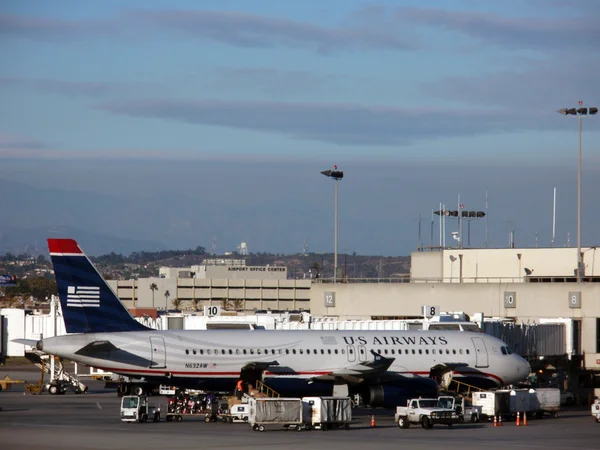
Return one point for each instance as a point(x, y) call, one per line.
point(345, 124)
point(546, 85)
point(69, 88)
point(272, 81)
point(524, 33)
point(14, 145)
point(12, 25)
point(241, 29)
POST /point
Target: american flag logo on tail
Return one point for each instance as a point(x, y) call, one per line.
point(83, 296)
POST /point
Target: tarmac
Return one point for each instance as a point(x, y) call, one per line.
point(91, 421)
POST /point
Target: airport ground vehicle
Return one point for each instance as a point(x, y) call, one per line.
point(137, 409)
point(427, 412)
point(286, 412)
point(327, 413)
point(463, 407)
point(596, 410)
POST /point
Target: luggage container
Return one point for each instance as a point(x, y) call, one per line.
point(286, 412)
point(328, 412)
point(545, 400)
point(492, 403)
point(503, 402)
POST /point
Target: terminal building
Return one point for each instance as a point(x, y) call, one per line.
point(229, 283)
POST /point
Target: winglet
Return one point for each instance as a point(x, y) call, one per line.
point(64, 247)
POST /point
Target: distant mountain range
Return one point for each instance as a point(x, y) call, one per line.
point(33, 241)
point(125, 223)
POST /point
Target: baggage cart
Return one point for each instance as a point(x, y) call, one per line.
point(545, 400)
point(286, 412)
point(327, 413)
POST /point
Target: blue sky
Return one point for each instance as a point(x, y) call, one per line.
point(301, 86)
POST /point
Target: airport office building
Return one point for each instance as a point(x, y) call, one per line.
point(526, 285)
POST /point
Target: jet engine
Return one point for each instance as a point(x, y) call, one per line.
point(397, 394)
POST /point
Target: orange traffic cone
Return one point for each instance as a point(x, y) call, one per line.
point(495, 423)
point(372, 420)
point(518, 419)
point(525, 419)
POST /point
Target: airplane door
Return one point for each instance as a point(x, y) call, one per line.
point(481, 354)
point(158, 352)
point(362, 353)
point(351, 353)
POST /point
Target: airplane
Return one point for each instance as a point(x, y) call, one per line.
point(385, 367)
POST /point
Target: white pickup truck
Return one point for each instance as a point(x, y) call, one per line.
point(427, 412)
point(465, 409)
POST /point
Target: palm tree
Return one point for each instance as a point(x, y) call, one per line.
point(167, 295)
point(196, 303)
point(176, 302)
point(153, 287)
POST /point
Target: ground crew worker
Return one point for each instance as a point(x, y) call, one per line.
point(239, 389)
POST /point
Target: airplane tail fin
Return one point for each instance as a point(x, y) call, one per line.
point(88, 303)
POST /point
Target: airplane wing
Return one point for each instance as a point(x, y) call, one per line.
point(262, 365)
point(357, 373)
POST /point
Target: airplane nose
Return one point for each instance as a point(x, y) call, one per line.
point(525, 368)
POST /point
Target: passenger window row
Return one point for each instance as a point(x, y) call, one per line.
point(328, 351)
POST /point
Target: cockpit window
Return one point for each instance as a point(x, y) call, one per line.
point(510, 352)
point(504, 352)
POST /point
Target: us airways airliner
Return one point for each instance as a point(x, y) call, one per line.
point(384, 367)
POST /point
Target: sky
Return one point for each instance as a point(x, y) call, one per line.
point(159, 107)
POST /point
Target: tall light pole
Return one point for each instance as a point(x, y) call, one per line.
point(336, 175)
point(579, 112)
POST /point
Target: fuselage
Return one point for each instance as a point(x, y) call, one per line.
point(293, 359)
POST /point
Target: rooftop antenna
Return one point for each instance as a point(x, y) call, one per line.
point(420, 240)
point(487, 215)
point(214, 245)
point(554, 218)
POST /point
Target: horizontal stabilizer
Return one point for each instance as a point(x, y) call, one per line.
point(28, 342)
point(96, 347)
point(108, 351)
